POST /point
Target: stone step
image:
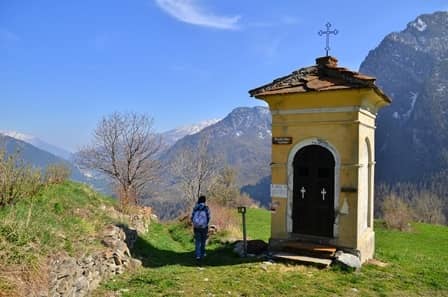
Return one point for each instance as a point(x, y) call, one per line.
point(320, 262)
point(309, 249)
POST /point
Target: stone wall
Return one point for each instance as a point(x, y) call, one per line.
point(76, 277)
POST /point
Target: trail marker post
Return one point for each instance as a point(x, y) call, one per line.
point(242, 211)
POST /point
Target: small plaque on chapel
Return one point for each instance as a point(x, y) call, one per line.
point(279, 191)
point(282, 140)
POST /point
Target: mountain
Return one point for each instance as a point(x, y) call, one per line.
point(35, 156)
point(242, 140)
point(411, 66)
point(57, 151)
point(170, 137)
point(40, 158)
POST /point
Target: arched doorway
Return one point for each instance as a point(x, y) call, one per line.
point(313, 191)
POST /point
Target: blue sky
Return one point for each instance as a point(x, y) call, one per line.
point(65, 64)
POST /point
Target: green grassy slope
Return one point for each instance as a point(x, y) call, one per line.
point(258, 224)
point(60, 218)
point(416, 267)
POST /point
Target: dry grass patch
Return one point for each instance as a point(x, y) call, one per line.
point(20, 280)
point(397, 213)
point(226, 220)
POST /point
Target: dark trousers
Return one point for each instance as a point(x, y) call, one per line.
point(200, 238)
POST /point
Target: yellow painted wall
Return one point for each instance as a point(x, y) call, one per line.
point(343, 119)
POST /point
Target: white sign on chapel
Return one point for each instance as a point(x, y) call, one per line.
point(279, 191)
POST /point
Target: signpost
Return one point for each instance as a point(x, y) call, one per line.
point(242, 211)
point(282, 140)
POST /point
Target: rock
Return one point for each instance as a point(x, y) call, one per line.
point(77, 277)
point(88, 260)
point(239, 248)
point(117, 259)
point(254, 248)
point(347, 260)
point(82, 283)
point(134, 264)
point(212, 229)
point(110, 242)
point(122, 249)
point(111, 231)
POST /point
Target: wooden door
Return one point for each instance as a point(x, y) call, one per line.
point(313, 191)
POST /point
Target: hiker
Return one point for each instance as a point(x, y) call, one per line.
point(200, 217)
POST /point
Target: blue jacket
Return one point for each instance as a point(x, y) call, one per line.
point(201, 206)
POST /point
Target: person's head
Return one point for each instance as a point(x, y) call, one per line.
point(201, 199)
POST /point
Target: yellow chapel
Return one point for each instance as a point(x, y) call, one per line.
point(323, 158)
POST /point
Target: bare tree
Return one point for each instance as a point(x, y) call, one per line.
point(224, 188)
point(123, 148)
point(194, 170)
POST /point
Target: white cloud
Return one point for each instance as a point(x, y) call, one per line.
point(189, 11)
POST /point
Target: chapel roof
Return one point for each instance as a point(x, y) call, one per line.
point(324, 76)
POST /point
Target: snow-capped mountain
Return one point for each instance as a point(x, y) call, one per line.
point(411, 66)
point(35, 156)
point(171, 136)
point(39, 143)
point(40, 154)
point(242, 140)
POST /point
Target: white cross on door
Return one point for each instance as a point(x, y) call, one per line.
point(303, 191)
point(323, 192)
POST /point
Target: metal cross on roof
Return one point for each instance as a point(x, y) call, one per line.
point(327, 33)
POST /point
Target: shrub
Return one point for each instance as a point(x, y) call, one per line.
point(428, 208)
point(225, 219)
point(245, 200)
point(17, 180)
point(397, 213)
point(424, 199)
point(56, 174)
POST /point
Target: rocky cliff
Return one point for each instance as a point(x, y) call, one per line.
point(411, 66)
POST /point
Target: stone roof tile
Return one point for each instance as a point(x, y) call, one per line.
point(324, 76)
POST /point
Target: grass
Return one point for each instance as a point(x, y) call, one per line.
point(258, 224)
point(50, 221)
point(416, 267)
point(60, 218)
point(67, 218)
